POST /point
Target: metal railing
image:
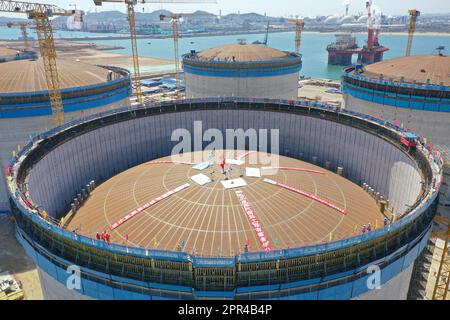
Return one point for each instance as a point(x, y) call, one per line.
point(19, 198)
point(347, 73)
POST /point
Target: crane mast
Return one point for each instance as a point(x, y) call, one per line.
point(413, 15)
point(266, 37)
point(299, 25)
point(26, 43)
point(134, 49)
point(132, 25)
point(175, 27)
point(40, 13)
point(175, 18)
point(23, 29)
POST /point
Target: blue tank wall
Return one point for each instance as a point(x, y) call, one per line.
point(390, 93)
point(242, 72)
point(397, 99)
point(345, 291)
point(350, 284)
point(81, 102)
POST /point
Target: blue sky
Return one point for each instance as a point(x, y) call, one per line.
point(274, 7)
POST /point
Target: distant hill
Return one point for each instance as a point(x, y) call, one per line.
point(151, 16)
point(120, 18)
point(254, 17)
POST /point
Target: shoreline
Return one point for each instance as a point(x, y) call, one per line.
point(219, 34)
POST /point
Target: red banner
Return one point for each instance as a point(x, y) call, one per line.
point(242, 156)
point(306, 194)
point(146, 206)
point(265, 244)
point(169, 162)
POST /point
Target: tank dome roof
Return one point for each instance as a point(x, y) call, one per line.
point(243, 53)
point(418, 68)
point(29, 75)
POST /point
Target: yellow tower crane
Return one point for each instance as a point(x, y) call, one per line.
point(299, 25)
point(41, 13)
point(132, 25)
point(175, 18)
point(23, 28)
point(441, 287)
point(413, 14)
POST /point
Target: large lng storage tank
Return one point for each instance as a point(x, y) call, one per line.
point(25, 107)
point(290, 233)
point(412, 92)
point(242, 70)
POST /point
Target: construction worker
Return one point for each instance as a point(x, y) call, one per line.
point(222, 165)
point(385, 221)
point(364, 229)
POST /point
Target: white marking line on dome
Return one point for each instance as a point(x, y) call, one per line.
point(294, 169)
point(163, 207)
point(188, 214)
point(306, 194)
point(106, 216)
point(208, 228)
point(238, 232)
point(169, 162)
point(176, 215)
point(191, 231)
point(257, 227)
point(274, 212)
point(147, 205)
point(345, 208)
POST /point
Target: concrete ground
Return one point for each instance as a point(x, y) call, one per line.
point(437, 255)
point(14, 260)
point(100, 55)
point(315, 89)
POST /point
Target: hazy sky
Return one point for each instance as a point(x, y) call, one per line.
point(273, 7)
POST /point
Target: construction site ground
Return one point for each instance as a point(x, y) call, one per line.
point(14, 260)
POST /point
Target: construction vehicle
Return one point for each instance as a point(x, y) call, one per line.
point(299, 25)
point(132, 25)
point(413, 15)
point(10, 288)
point(409, 140)
point(41, 13)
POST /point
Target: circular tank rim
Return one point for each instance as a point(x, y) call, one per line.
point(19, 201)
point(35, 104)
point(291, 59)
point(124, 75)
point(348, 72)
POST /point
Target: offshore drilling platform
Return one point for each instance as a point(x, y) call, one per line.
point(342, 51)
